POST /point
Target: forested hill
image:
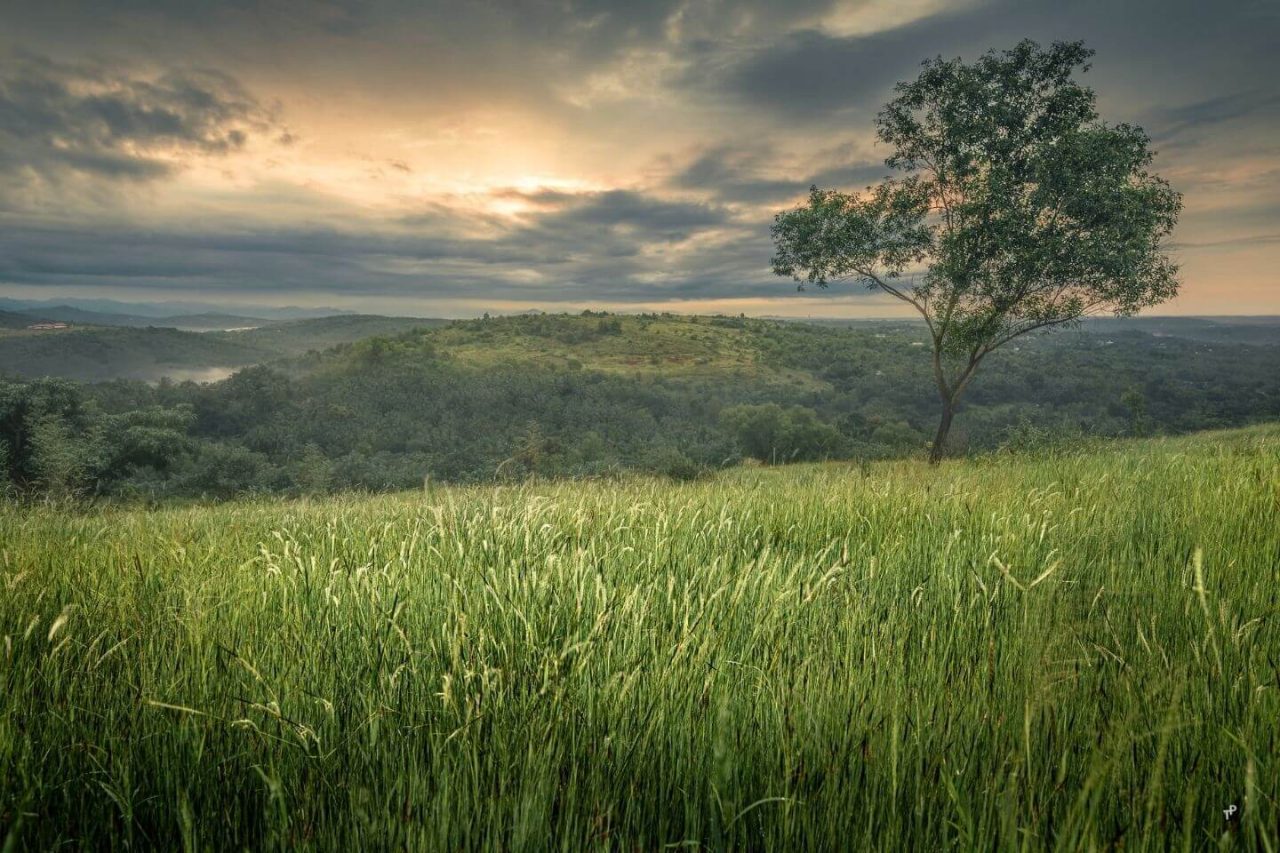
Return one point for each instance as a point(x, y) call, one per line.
point(878, 370)
point(778, 351)
point(291, 337)
point(14, 320)
point(93, 353)
point(585, 395)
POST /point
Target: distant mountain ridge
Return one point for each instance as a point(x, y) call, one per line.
point(169, 309)
point(188, 322)
point(15, 320)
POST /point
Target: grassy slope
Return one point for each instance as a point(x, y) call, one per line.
point(992, 654)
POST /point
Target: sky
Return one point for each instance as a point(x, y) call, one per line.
point(446, 159)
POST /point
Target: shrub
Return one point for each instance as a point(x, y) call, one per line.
point(772, 433)
point(673, 463)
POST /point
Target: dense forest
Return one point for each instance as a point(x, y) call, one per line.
point(126, 349)
point(594, 394)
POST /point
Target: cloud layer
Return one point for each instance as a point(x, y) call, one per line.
point(59, 118)
point(448, 157)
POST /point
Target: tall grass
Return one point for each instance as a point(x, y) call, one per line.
point(1075, 652)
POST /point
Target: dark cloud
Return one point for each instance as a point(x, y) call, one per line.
point(1178, 121)
point(810, 74)
point(57, 118)
point(813, 75)
point(735, 174)
point(588, 244)
point(565, 228)
point(757, 175)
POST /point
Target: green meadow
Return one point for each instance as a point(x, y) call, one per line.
point(1071, 650)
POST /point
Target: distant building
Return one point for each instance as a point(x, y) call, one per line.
point(43, 327)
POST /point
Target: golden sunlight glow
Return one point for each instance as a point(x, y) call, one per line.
point(865, 17)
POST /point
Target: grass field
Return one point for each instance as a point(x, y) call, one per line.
point(1073, 652)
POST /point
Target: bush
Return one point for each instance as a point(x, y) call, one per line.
point(772, 433)
point(224, 471)
point(1026, 438)
point(674, 464)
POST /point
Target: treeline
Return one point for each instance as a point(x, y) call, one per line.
point(262, 431)
point(389, 413)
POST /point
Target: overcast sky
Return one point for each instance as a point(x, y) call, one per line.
point(452, 158)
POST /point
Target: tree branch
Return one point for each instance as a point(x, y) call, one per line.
point(893, 290)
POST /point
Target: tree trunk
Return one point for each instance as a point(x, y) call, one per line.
point(944, 426)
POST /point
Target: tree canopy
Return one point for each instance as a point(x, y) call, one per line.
point(1015, 208)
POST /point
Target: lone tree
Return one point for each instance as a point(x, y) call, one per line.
point(1015, 209)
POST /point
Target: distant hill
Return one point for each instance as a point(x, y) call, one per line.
point(191, 322)
point(676, 346)
point(1226, 330)
point(294, 337)
point(561, 395)
point(98, 353)
point(669, 345)
point(881, 372)
point(81, 317)
point(163, 309)
point(150, 351)
point(15, 320)
point(805, 358)
point(212, 322)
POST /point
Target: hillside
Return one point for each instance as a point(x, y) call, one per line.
point(666, 345)
point(191, 322)
point(15, 320)
point(880, 371)
point(94, 354)
point(799, 356)
point(1223, 330)
point(575, 396)
point(206, 322)
point(580, 396)
point(295, 337)
point(148, 348)
point(1262, 331)
point(156, 311)
point(792, 352)
point(1048, 652)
